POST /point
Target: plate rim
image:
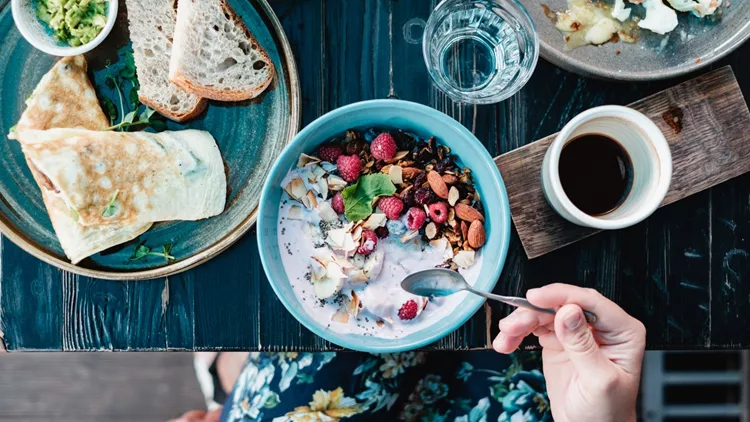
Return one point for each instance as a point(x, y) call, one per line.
point(558, 58)
point(21, 240)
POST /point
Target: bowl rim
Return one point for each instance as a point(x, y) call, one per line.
point(64, 51)
point(470, 304)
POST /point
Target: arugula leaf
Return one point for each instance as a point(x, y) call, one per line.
point(142, 251)
point(134, 101)
point(110, 209)
point(358, 197)
point(109, 109)
point(129, 118)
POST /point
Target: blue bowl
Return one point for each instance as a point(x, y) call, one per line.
point(425, 122)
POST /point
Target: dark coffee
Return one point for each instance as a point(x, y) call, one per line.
point(596, 173)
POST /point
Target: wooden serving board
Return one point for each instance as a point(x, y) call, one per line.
point(707, 124)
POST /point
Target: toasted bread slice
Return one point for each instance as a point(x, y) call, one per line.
point(152, 25)
point(214, 54)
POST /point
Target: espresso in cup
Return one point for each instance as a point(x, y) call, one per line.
point(596, 173)
point(609, 168)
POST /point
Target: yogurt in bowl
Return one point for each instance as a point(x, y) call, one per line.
point(364, 211)
point(348, 258)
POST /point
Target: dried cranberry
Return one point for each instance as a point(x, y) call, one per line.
point(419, 180)
point(353, 134)
point(408, 199)
point(382, 232)
point(478, 205)
point(404, 141)
point(355, 147)
point(433, 146)
point(444, 164)
point(424, 196)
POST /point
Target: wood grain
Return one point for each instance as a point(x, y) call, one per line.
point(708, 148)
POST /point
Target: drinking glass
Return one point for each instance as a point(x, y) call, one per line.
point(480, 51)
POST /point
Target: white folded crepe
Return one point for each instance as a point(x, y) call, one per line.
point(130, 177)
point(65, 98)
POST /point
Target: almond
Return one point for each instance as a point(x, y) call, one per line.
point(450, 179)
point(464, 229)
point(477, 236)
point(437, 184)
point(468, 213)
point(409, 173)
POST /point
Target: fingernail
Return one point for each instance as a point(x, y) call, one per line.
point(573, 320)
point(532, 291)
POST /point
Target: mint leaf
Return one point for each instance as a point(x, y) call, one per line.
point(359, 196)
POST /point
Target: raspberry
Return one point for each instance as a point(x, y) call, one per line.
point(408, 310)
point(368, 242)
point(438, 212)
point(382, 232)
point(383, 147)
point(391, 207)
point(424, 196)
point(415, 218)
point(337, 203)
point(349, 167)
point(330, 152)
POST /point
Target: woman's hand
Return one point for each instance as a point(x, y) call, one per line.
point(592, 372)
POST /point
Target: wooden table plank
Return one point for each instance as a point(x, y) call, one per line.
point(349, 51)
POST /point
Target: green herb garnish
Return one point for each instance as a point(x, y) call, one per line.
point(13, 128)
point(111, 207)
point(120, 76)
point(358, 197)
point(142, 251)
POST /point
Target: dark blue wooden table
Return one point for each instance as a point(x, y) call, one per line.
point(683, 272)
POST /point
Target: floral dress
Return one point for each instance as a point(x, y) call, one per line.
point(411, 386)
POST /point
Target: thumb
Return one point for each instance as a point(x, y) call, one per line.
point(576, 338)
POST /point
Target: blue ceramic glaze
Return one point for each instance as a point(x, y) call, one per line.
point(423, 121)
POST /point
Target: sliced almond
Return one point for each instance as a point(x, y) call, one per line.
point(341, 316)
point(464, 259)
point(449, 179)
point(386, 168)
point(409, 236)
point(399, 155)
point(464, 230)
point(295, 213)
point(430, 230)
point(453, 196)
point(409, 173)
point(305, 159)
point(396, 173)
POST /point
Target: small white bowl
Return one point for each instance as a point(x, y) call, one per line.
point(36, 32)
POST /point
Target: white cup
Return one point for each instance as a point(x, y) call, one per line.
point(649, 154)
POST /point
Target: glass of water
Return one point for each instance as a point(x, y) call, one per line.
point(480, 51)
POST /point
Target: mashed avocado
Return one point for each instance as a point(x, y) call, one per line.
point(75, 22)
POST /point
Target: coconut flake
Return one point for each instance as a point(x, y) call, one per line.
point(336, 183)
point(318, 171)
point(326, 212)
point(295, 213)
point(305, 159)
point(409, 236)
point(323, 188)
point(309, 200)
point(296, 189)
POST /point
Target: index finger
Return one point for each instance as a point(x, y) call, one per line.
point(610, 317)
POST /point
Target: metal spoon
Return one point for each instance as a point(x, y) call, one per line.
point(444, 282)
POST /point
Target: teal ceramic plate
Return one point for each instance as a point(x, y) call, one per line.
point(425, 122)
point(250, 136)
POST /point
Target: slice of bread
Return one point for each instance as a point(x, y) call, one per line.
point(215, 55)
point(152, 24)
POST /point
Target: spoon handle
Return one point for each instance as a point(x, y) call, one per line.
point(523, 303)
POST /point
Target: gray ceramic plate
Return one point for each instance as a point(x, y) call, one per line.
point(250, 136)
point(693, 44)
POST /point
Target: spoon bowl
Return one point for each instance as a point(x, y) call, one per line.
point(436, 282)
